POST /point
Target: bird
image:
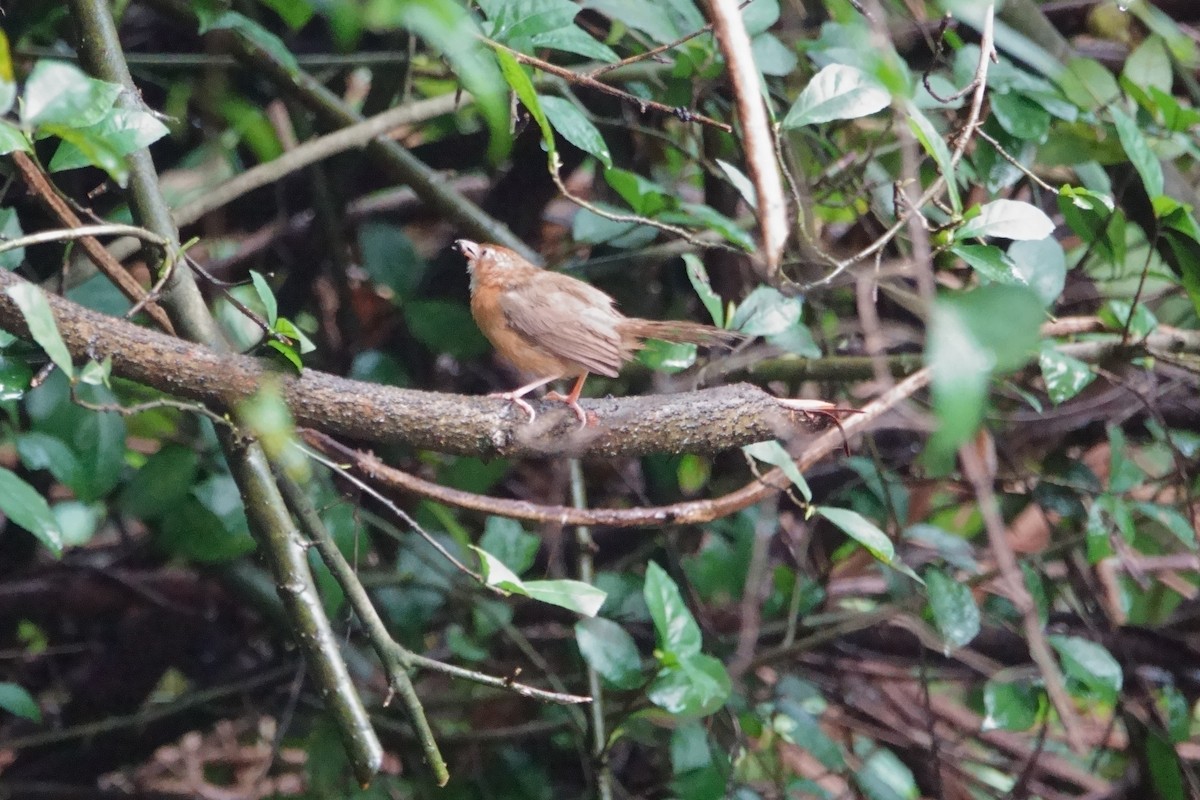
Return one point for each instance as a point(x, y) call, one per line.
point(552, 326)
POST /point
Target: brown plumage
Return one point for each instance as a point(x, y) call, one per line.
point(550, 326)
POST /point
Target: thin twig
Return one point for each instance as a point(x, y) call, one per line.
point(684, 114)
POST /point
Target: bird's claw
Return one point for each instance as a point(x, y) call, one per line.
point(513, 398)
point(572, 404)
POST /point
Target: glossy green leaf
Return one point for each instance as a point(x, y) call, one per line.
point(576, 128)
point(990, 262)
point(696, 686)
point(653, 19)
point(12, 138)
point(1149, 65)
point(773, 453)
point(1171, 519)
point(1088, 84)
point(698, 276)
point(15, 377)
point(22, 504)
point(266, 415)
point(1095, 218)
point(767, 311)
point(265, 296)
point(678, 632)
point(1021, 117)
point(522, 86)
point(17, 701)
point(1065, 376)
point(58, 93)
point(1010, 706)
point(861, 530)
point(506, 540)
point(667, 357)
point(120, 132)
point(573, 39)
point(611, 651)
point(1007, 219)
point(883, 776)
point(934, 144)
point(953, 607)
point(42, 327)
point(1089, 665)
point(1138, 149)
point(10, 228)
point(575, 596)
point(8, 80)
point(1123, 314)
point(740, 182)
point(837, 92)
point(1042, 265)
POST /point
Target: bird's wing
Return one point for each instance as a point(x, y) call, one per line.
point(567, 318)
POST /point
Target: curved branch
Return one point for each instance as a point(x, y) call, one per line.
point(685, 513)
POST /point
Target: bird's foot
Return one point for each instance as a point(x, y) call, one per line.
point(573, 404)
point(515, 399)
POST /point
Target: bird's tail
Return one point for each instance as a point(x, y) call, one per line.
point(681, 332)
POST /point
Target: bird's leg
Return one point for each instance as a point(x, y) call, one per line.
point(572, 400)
point(516, 394)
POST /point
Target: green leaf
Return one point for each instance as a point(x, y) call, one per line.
point(506, 540)
point(678, 632)
point(162, 483)
point(1088, 84)
point(971, 336)
point(42, 327)
point(12, 138)
point(740, 182)
point(120, 132)
point(1090, 665)
point(22, 504)
point(195, 532)
point(1121, 313)
point(576, 128)
point(837, 92)
point(294, 14)
point(17, 701)
point(573, 39)
point(1021, 117)
point(766, 312)
point(861, 530)
point(265, 296)
point(251, 31)
point(1042, 265)
point(15, 377)
point(450, 28)
point(883, 776)
point(643, 195)
point(696, 686)
point(1149, 65)
point(771, 56)
point(8, 81)
point(953, 607)
point(1008, 219)
point(576, 596)
point(1065, 376)
point(10, 228)
point(58, 93)
point(668, 357)
point(936, 146)
point(611, 651)
point(698, 276)
point(773, 453)
point(1138, 149)
point(990, 262)
point(522, 86)
point(1169, 518)
point(266, 415)
point(1009, 706)
point(1097, 221)
point(652, 19)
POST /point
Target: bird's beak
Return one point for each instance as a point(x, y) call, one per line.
point(468, 248)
